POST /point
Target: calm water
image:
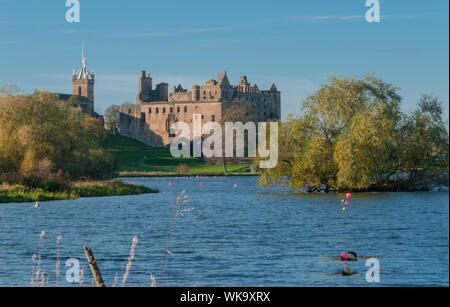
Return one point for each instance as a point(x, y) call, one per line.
point(235, 237)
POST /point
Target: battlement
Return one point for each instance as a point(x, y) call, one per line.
point(156, 109)
point(212, 91)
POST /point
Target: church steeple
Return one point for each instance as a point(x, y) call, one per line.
point(83, 72)
point(83, 80)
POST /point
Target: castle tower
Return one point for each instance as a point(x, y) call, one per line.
point(145, 87)
point(83, 81)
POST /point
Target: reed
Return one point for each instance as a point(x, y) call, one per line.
point(33, 259)
point(153, 281)
point(58, 264)
point(130, 260)
point(116, 277)
point(38, 268)
point(81, 276)
point(39, 278)
point(177, 210)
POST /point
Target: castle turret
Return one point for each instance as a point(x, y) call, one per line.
point(145, 87)
point(195, 93)
point(162, 92)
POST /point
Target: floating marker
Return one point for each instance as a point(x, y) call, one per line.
point(235, 185)
point(170, 184)
point(349, 195)
point(346, 203)
point(201, 184)
point(344, 209)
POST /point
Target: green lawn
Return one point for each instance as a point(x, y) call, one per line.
point(136, 157)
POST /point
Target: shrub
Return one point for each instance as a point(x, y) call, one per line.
point(183, 168)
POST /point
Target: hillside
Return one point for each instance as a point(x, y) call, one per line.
point(138, 159)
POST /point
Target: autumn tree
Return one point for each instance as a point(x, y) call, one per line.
point(350, 136)
point(40, 135)
point(8, 90)
point(424, 142)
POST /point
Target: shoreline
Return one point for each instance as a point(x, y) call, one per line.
point(179, 175)
point(15, 194)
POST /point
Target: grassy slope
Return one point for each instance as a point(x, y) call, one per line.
point(134, 156)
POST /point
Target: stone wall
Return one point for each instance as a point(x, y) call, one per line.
point(149, 121)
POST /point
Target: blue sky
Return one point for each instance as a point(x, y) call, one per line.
point(296, 44)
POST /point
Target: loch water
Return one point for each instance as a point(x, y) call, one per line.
point(235, 236)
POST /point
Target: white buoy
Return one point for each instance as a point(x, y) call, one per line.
point(36, 205)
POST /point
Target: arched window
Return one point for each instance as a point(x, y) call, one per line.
point(79, 91)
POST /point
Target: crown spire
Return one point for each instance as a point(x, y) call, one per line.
point(83, 72)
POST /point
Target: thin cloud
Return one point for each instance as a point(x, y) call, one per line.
point(11, 22)
point(202, 30)
point(321, 18)
point(179, 31)
point(398, 50)
point(148, 34)
point(212, 48)
point(70, 31)
point(303, 18)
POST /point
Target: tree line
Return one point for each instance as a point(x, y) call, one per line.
point(353, 135)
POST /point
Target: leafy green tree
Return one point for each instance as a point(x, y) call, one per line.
point(424, 142)
point(367, 153)
point(112, 118)
point(352, 135)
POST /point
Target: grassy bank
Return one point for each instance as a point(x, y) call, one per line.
point(190, 174)
point(20, 193)
point(139, 160)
